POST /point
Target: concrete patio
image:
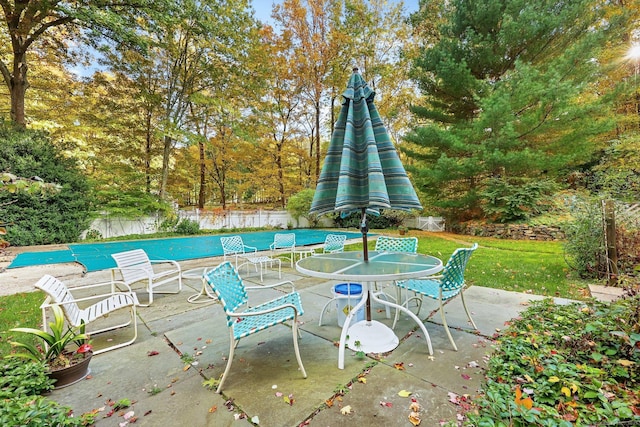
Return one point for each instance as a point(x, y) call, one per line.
point(264, 386)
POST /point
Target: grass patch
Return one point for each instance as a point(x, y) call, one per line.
point(18, 310)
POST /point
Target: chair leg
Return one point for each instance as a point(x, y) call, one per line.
point(295, 345)
point(232, 348)
point(325, 309)
point(444, 322)
point(464, 304)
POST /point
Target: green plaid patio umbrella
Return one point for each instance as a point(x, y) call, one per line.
point(362, 170)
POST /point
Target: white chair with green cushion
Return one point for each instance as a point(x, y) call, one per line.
point(393, 244)
point(334, 243)
point(284, 243)
point(443, 287)
point(244, 320)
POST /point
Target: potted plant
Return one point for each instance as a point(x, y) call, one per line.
point(65, 350)
point(403, 230)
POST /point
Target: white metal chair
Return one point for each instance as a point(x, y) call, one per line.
point(135, 266)
point(244, 320)
point(284, 243)
point(397, 244)
point(234, 246)
point(334, 243)
point(443, 287)
point(393, 244)
point(106, 303)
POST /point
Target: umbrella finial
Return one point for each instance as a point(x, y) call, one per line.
point(355, 69)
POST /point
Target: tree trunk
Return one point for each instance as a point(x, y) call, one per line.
point(168, 141)
point(203, 169)
point(147, 154)
point(18, 88)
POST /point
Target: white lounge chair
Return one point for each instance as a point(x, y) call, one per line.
point(135, 266)
point(105, 304)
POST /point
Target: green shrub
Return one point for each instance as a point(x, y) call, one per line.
point(21, 403)
point(564, 365)
point(42, 218)
point(299, 205)
point(93, 235)
point(388, 218)
point(508, 202)
point(187, 226)
point(584, 234)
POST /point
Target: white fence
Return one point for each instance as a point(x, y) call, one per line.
point(114, 227)
point(430, 223)
point(109, 226)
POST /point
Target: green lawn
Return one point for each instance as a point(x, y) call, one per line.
point(515, 265)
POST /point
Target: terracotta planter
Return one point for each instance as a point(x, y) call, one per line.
point(72, 374)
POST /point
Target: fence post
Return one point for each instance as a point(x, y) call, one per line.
point(610, 236)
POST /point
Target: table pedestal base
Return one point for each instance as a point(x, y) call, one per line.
point(371, 337)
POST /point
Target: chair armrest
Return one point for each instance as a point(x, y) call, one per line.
point(47, 303)
point(161, 261)
point(251, 248)
point(257, 288)
point(260, 313)
point(95, 285)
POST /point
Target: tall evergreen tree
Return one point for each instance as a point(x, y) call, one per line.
point(510, 102)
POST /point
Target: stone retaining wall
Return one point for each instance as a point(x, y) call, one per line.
point(513, 231)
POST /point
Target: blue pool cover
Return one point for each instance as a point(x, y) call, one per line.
point(97, 256)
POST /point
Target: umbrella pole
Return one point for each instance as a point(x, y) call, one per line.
point(364, 229)
point(365, 248)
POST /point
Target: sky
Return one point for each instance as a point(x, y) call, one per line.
point(263, 7)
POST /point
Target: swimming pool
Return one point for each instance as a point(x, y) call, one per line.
point(97, 256)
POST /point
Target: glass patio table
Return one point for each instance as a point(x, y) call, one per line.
point(370, 336)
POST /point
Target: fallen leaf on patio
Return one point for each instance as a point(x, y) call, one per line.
point(185, 368)
point(209, 341)
point(273, 387)
point(128, 415)
point(173, 392)
point(289, 400)
point(404, 393)
point(213, 409)
point(465, 376)
point(88, 377)
point(329, 403)
point(150, 411)
point(453, 398)
point(626, 363)
point(432, 358)
point(399, 366)
point(387, 404)
point(362, 380)
point(346, 410)
point(152, 353)
point(414, 418)
point(473, 364)
point(255, 420)
point(279, 394)
point(415, 406)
